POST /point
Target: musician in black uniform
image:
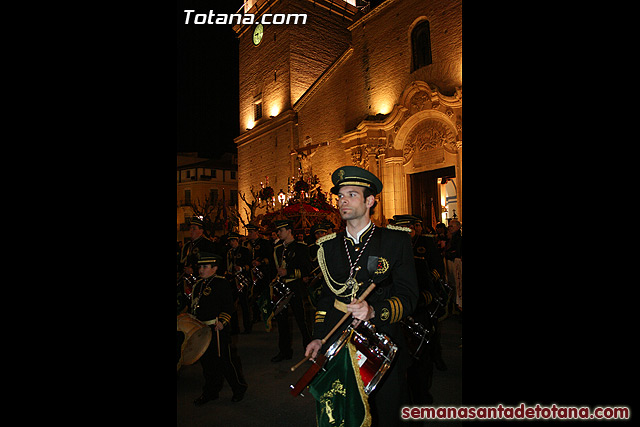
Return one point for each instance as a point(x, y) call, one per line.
point(199, 242)
point(314, 281)
point(291, 259)
point(212, 304)
point(239, 261)
point(261, 261)
point(420, 370)
point(348, 260)
point(426, 252)
point(317, 231)
point(429, 264)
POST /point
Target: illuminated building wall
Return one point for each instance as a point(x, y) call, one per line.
point(350, 93)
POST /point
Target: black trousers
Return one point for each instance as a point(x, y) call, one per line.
point(243, 299)
point(215, 368)
point(285, 339)
point(420, 378)
point(420, 371)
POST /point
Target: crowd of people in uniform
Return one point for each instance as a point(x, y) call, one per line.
point(236, 280)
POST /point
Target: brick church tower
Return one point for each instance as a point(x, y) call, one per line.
point(379, 87)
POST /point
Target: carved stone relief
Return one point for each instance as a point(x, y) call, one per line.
point(359, 157)
point(420, 101)
point(427, 135)
point(374, 146)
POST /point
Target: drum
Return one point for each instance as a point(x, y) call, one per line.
point(282, 294)
point(187, 281)
point(375, 352)
point(417, 335)
point(197, 338)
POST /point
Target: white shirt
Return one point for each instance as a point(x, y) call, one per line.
point(359, 233)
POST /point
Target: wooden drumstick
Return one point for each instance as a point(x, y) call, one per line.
point(218, 336)
point(337, 325)
point(297, 365)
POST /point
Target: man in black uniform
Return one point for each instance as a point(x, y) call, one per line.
point(199, 242)
point(239, 261)
point(262, 261)
point(420, 371)
point(314, 281)
point(348, 260)
point(431, 276)
point(427, 254)
point(292, 262)
point(212, 304)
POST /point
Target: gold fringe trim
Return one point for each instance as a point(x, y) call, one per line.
point(366, 422)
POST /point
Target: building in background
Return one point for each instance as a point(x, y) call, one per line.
point(205, 184)
point(379, 88)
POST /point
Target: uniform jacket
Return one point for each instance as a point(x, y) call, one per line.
point(262, 250)
point(192, 248)
point(212, 298)
point(387, 259)
point(296, 257)
point(240, 257)
point(429, 267)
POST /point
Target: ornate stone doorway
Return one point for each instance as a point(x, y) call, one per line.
point(429, 196)
point(428, 136)
point(422, 133)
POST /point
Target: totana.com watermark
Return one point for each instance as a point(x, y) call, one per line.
point(246, 18)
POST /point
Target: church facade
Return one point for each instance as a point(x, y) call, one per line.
point(379, 88)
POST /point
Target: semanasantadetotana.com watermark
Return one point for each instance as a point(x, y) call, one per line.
point(246, 18)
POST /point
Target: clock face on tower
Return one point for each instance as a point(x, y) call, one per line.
point(257, 34)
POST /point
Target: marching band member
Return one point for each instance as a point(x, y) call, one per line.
point(314, 286)
point(238, 261)
point(212, 304)
point(199, 242)
point(292, 264)
point(351, 257)
point(420, 370)
point(261, 263)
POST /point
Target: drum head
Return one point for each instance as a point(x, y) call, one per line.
point(196, 346)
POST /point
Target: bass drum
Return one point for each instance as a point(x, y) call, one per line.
point(375, 352)
point(197, 338)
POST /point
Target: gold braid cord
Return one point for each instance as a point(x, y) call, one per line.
point(330, 280)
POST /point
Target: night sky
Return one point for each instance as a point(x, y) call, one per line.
point(207, 80)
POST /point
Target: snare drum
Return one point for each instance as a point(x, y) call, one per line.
point(374, 352)
point(196, 340)
point(282, 294)
point(417, 335)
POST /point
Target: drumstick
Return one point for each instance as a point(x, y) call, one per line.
point(337, 325)
point(218, 336)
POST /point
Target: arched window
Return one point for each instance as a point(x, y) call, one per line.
point(420, 46)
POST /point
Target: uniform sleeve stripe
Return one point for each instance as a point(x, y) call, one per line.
point(393, 309)
point(400, 311)
point(396, 309)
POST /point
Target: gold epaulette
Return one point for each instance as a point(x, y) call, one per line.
point(325, 238)
point(398, 228)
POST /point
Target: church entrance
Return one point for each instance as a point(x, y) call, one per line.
point(434, 195)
